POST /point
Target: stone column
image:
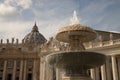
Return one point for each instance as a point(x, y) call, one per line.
point(37, 69)
point(34, 70)
point(57, 74)
point(97, 76)
point(108, 68)
point(4, 70)
point(50, 73)
point(47, 73)
point(44, 66)
point(21, 70)
point(118, 62)
point(103, 72)
point(42, 69)
point(25, 71)
point(92, 72)
point(114, 68)
point(14, 71)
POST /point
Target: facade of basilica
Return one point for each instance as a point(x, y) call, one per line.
point(27, 60)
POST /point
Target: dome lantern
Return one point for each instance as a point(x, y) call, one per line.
point(35, 28)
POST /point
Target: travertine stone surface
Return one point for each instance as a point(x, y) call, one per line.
point(76, 78)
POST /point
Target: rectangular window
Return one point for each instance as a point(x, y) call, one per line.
point(0, 78)
point(10, 64)
point(1, 63)
point(9, 77)
point(17, 78)
point(29, 76)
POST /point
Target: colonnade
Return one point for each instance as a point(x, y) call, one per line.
point(23, 70)
point(42, 71)
point(108, 71)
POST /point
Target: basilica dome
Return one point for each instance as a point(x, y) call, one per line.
point(34, 37)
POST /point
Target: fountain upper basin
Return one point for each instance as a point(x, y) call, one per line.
point(85, 33)
point(76, 59)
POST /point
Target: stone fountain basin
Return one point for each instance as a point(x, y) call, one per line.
point(76, 59)
point(85, 33)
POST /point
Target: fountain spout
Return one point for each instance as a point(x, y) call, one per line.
point(74, 19)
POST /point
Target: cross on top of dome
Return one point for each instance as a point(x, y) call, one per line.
point(35, 28)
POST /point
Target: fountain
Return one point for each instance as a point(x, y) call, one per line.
point(76, 61)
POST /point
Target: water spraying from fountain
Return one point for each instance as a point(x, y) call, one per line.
point(74, 19)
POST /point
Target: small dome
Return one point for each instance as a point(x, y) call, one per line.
point(34, 37)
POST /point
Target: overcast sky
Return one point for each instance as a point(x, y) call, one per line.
point(17, 17)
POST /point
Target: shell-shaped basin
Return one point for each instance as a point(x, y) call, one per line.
point(76, 59)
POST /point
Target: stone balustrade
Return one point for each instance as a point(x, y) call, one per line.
point(63, 46)
point(88, 45)
point(102, 44)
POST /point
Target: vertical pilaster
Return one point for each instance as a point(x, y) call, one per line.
point(44, 66)
point(103, 72)
point(25, 71)
point(34, 70)
point(37, 69)
point(118, 59)
point(40, 75)
point(92, 72)
point(4, 70)
point(42, 72)
point(47, 73)
point(114, 68)
point(21, 70)
point(14, 70)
